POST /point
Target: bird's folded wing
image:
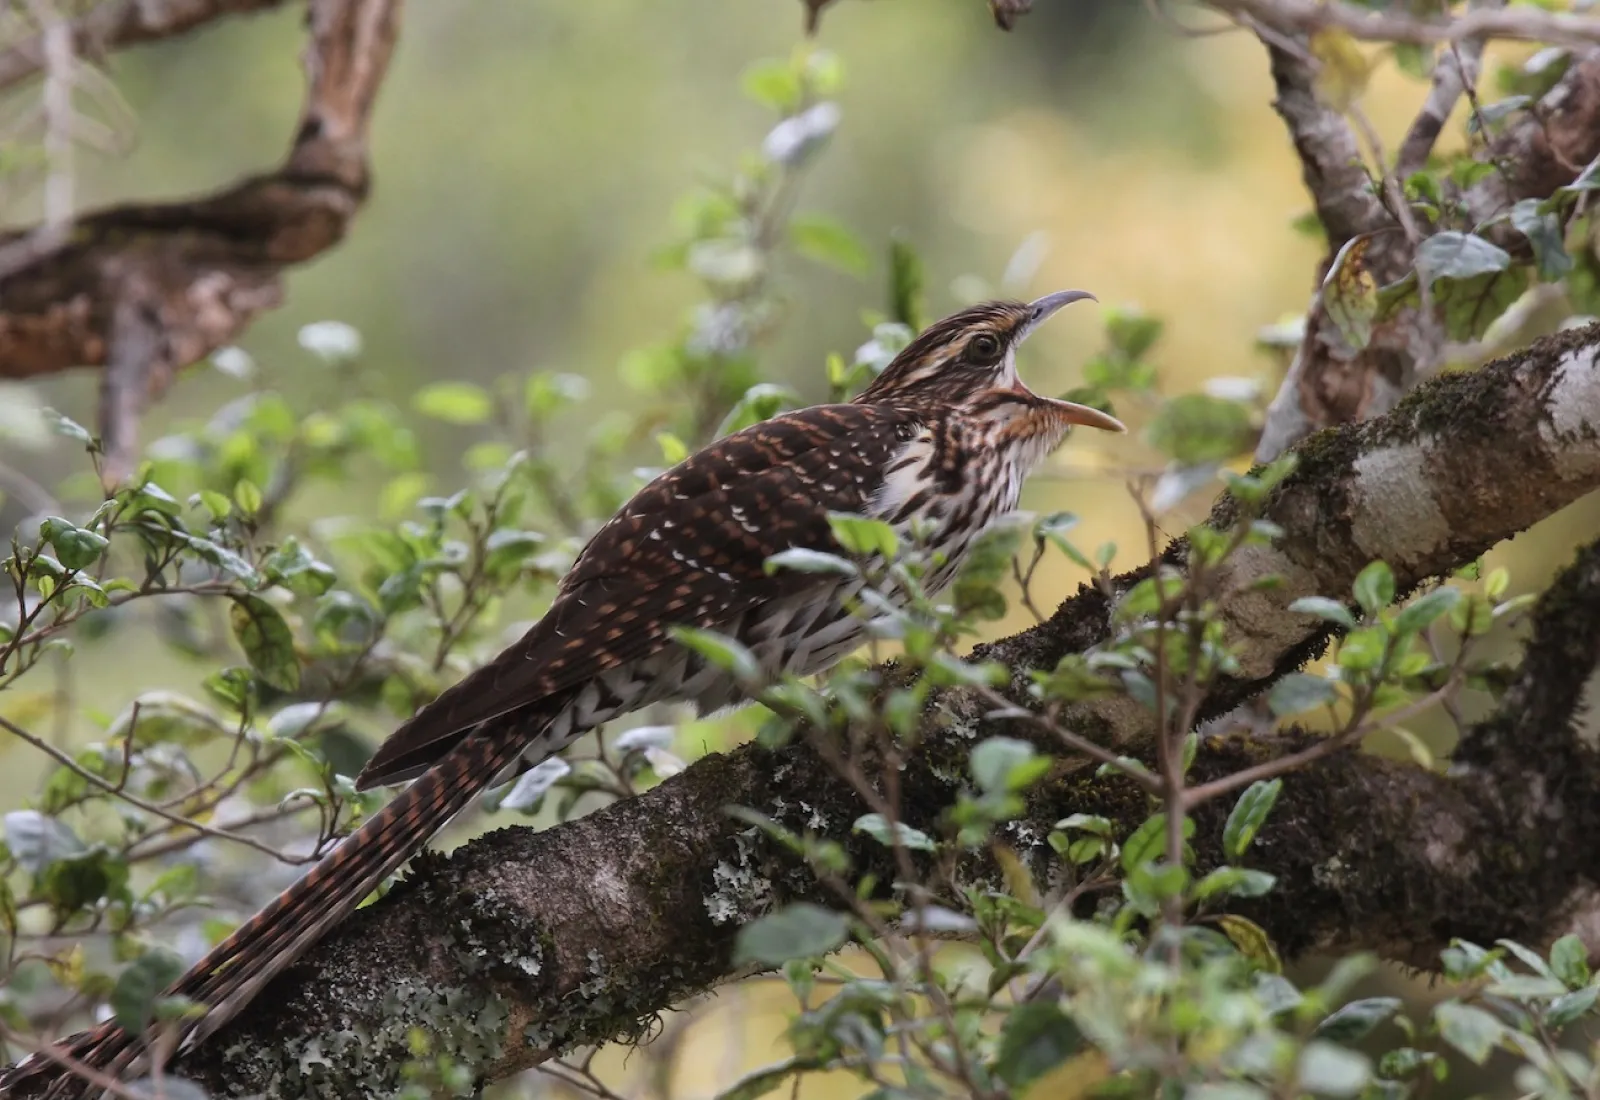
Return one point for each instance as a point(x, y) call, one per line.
point(688, 550)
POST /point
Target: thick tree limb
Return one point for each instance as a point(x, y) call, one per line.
point(524, 944)
point(117, 23)
point(195, 273)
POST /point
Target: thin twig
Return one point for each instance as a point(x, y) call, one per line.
point(66, 761)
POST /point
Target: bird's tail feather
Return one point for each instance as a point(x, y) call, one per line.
point(235, 971)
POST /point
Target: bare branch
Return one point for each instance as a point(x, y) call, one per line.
point(1455, 72)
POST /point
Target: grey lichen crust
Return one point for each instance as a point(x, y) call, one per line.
point(392, 1005)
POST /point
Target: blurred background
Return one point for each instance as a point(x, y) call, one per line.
point(529, 160)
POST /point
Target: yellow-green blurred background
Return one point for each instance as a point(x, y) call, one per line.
point(528, 158)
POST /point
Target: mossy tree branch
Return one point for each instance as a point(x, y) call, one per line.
point(524, 944)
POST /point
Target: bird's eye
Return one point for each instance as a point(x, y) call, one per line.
point(984, 348)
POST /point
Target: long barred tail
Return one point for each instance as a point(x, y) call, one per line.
point(235, 971)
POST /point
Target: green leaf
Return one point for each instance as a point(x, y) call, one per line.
point(548, 392)
point(1132, 332)
point(905, 284)
point(1569, 1007)
point(1569, 961)
point(1089, 823)
point(1299, 692)
point(1248, 815)
point(1421, 612)
point(133, 998)
point(1545, 236)
point(1464, 961)
point(508, 550)
point(1363, 650)
point(292, 566)
point(1328, 1069)
point(1004, 764)
point(1196, 428)
point(1470, 306)
point(884, 832)
point(795, 932)
point(454, 402)
point(1470, 1030)
point(266, 640)
point(76, 547)
point(1035, 1038)
point(222, 558)
point(343, 619)
point(828, 242)
point(218, 505)
point(61, 424)
point(1149, 841)
point(83, 880)
point(862, 536)
point(721, 651)
point(248, 496)
point(1414, 60)
point(37, 841)
point(1525, 987)
point(1489, 114)
point(1528, 957)
point(1239, 882)
point(1453, 255)
point(1331, 611)
point(165, 717)
point(1374, 587)
point(760, 402)
point(801, 560)
point(1355, 1020)
point(773, 84)
point(233, 687)
point(1251, 940)
point(673, 449)
point(1588, 180)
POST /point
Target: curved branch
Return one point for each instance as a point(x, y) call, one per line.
point(178, 280)
point(523, 944)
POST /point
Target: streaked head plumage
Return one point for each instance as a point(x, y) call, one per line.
point(968, 361)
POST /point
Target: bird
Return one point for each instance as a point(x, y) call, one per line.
point(938, 445)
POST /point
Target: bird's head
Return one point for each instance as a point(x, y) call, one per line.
point(968, 362)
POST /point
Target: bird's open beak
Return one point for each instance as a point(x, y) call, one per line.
point(1070, 411)
point(1089, 417)
point(1049, 304)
